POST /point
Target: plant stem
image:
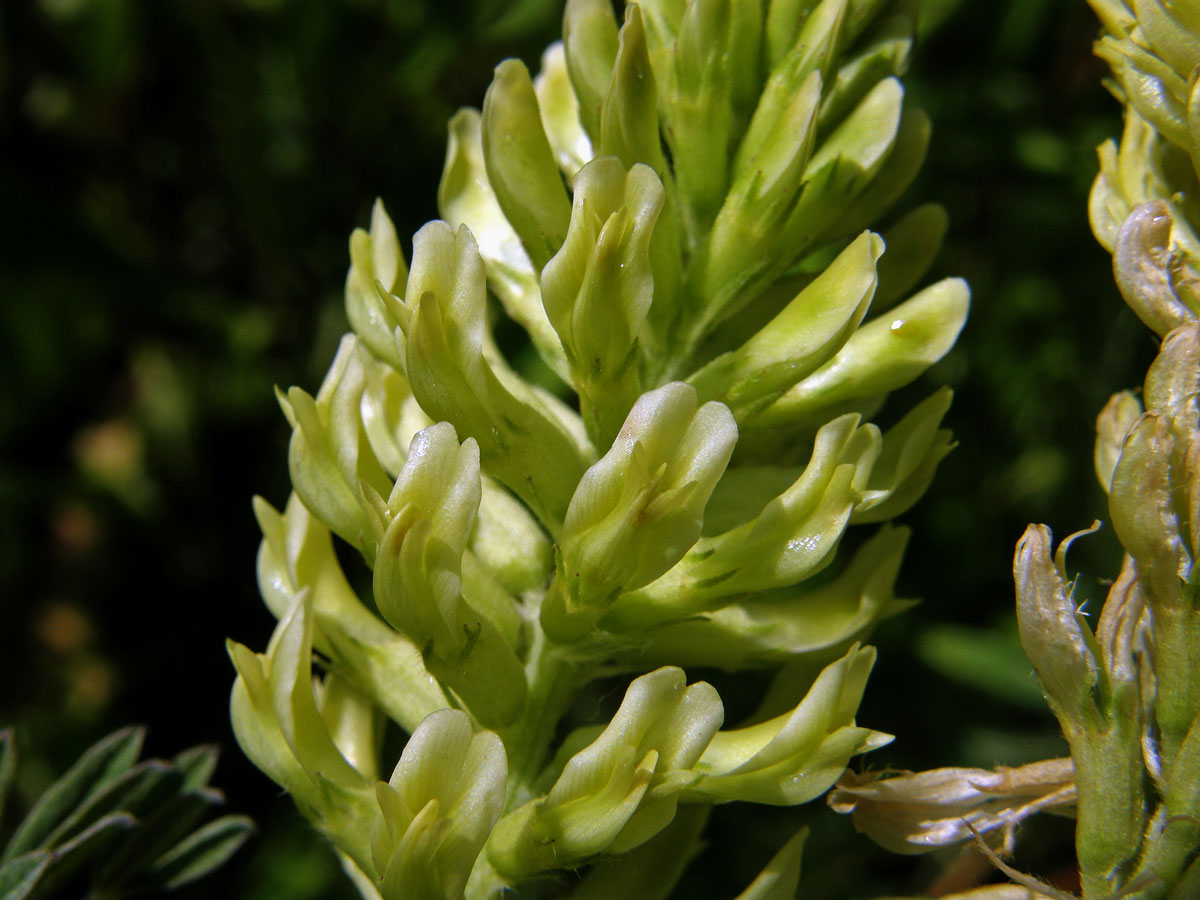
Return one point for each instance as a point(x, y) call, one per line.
point(553, 682)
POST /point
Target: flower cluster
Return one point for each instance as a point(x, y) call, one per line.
point(675, 211)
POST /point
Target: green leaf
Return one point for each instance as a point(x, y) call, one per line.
point(159, 831)
point(98, 766)
point(20, 875)
point(87, 846)
point(205, 850)
point(197, 765)
point(135, 791)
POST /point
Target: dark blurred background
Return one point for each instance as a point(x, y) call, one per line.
point(178, 181)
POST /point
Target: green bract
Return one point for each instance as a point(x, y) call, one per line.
point(675, 209)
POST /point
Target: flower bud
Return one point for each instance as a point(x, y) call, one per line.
point(1154, 473)
point(1193, 118)
point(891, 180)
point(375, 256)
point(278, 726)
point(798, 26)
point(766, 177)
point(1153, 57)
point(1149, 274)
point(795, 757)
point(296, 558)
point(1054, 634)
point(622, 788)
point(884, 54)
point(1131, 174)
point(639, 509)
point(786, 624)
point(713, 79)
point(847, 161)
point(1173, 380)
point(912, 449)
point(1149, 86)
point(1122, 634)
point(436, 811)
point(354, 722)
point(629, 127)
point(1155, 508)
point(597, 289)
point(791, 538)
point(1093, 696)
point(1112, 427)
point(527, 439)
point(509, 543)
point(390, 413)
point(912, 242)
point(330, 457)
point(520, 164)
point(886, 353)
point(426, 524)
point(560, 112)
point(465, 197)
point(590, 46)
point(801, 338)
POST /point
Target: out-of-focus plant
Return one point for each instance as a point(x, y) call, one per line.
point(674, 210)
point(116, 826)
point(1126, 691)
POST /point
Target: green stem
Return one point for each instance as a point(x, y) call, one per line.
point(553, 681)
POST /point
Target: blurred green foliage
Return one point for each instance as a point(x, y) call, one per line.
point(178, 181)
